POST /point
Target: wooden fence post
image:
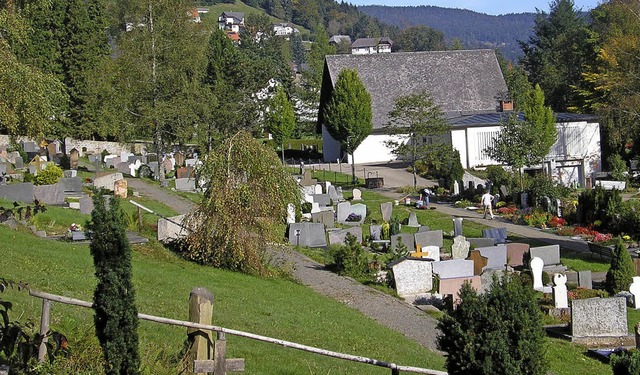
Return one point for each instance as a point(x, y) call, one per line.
point(44, 328)
point(200, 311)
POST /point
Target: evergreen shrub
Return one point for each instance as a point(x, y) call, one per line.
point(621, 271)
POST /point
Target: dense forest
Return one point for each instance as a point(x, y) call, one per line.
point(474, 30)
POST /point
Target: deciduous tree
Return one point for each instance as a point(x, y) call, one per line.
point(348, 115)
point(417, 124)
point(243, 207)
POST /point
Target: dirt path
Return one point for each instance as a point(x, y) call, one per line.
point(155, 192)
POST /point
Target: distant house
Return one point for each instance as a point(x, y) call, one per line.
point(231, 21)
point(339, 39)
point(284, 29)
point(468, 87)
point(368, 46)
point(194, 14)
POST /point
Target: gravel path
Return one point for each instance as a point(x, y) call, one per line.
point(155, 192)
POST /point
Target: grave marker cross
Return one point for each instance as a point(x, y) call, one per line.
point(219, 365)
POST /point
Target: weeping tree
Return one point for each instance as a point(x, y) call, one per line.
point(116, 315)
point(244, 206)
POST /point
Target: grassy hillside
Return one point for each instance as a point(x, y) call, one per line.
point(276, 308)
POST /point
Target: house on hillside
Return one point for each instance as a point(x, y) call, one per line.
point(284, 29)
point(339, 39)
point(470, 89)
point(368, 46)
point(231, 21)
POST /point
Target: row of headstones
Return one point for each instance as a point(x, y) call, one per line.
point(465, 265)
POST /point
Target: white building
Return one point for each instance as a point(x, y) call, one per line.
point(467, 86)
point(368, 46)
point(231, 21)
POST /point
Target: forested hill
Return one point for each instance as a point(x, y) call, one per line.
point(473, 29)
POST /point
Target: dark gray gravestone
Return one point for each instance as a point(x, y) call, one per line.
point(386, 209)
point(423, 228)
point(4, 168)
point(78, 236)
point(52, 195)
point(496, 256)
point(339, 237)
point(430, 238)
point(19, 163)
point(584, 279)
point(333, 194)
point(457, 227)
point(482, 242)
point(17, 192)
point(123, 168)
point(185, 184)
point(550, 254)
point(375, 232)
point(154, 168)
point(504, 191)
point(324, 217)
point(71, 185)
point(404, 238)
point(599, 317)
point(307, 234)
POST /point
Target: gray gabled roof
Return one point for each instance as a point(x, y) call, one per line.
point(459, 81)
point(237, 16)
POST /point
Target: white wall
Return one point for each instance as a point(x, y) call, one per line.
point(371, 150)
point(479, 139)
point(459, 142)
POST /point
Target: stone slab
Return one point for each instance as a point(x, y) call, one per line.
point(170, 230)
point(584, 279)
point(322, 199)
point(343, 211)
point(52, 195)
point(599, 317)
point(454, 268)
point(429, 238)
point(516, 253)
point(185, 184)
point(22, 192)
point(307, 234)
point(550, 254)
point(71, 184)
point(496, 256)
point(412, 276)
point(107, 181)
point(405, 238)
point(452, 286)
point(324, 217)
point(339, 237)
point(386, 209)
point(481, 242)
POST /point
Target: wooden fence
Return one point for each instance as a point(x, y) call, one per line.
point(231, 365)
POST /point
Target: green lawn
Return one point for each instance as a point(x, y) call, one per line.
point(271, 307)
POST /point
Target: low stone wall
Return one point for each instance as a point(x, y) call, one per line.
point(96, 147)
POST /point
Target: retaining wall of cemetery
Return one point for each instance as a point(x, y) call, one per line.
point(89, 146)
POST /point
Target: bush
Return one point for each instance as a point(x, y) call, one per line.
point(50, 175)
point(621, 271)
point(625, 362)
point(618, 167)
point(498, 332)
point(350, 259)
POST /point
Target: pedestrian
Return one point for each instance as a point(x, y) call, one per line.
point(487, 200)
point(424, 195)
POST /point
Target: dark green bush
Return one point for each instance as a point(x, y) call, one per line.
point(618, 167)
point(497, 333)
point(350, 259)
point(621, 271)
point(625, 362)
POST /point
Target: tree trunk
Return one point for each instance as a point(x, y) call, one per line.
point(157, 139)
point(521, 180)
point(353, 170)
point(282, 153)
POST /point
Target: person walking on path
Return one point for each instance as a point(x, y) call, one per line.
point(487, 200)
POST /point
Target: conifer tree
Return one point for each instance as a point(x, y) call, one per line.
point(116, 315)
point(621, 271)
point(280, 120)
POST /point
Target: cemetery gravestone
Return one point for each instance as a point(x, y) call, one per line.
point(120, 188)
point(171, 229)
point(324, 217)
point(339, 237)
point(504, 191)
point(179, 156)
point(107, 181)
point(18, 162)
point(456, 188)
point(457, 226)
point(516, 252)
point(430, 238)
point(327, 185)
point(71, 185)
point(560, 291)
point(460, 248)
point(536, 265)
point(333, 194)
point(599, 317)
point(524, 200)
point(307, 234)
point(584, 279)
point(86, 205)
point(74, 156)
point(344, 209)
point(22, 192)
point(357, 195)
point(315, 208)
point(429, 252)
point(423, 228)
point(453, 268)
point(412, 276)
point(360, 210)
point(339, 192)
point(323, 200)
point(375, 232)
point(479, 262)
point(52, 195)
point(482, 242)
point(291, 213)
point(406, 239)
point(317, 189)
point(70, 173)
point(185, 184)
point(452, 286)
point(386, 209)
point(550, 255)
point(413, 220)
point(182, 172)
point(497, 257)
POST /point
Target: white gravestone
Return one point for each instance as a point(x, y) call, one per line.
point(291, 213)
point(536, 270)
point(431, 252)
point(560, 291)
point(315, 207)
point(634, 289)
point(460, 248)
point(456, 188)
point(317, 189)
point(327, 185)
point(357, 195)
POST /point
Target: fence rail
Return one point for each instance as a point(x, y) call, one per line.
point(47, 298)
